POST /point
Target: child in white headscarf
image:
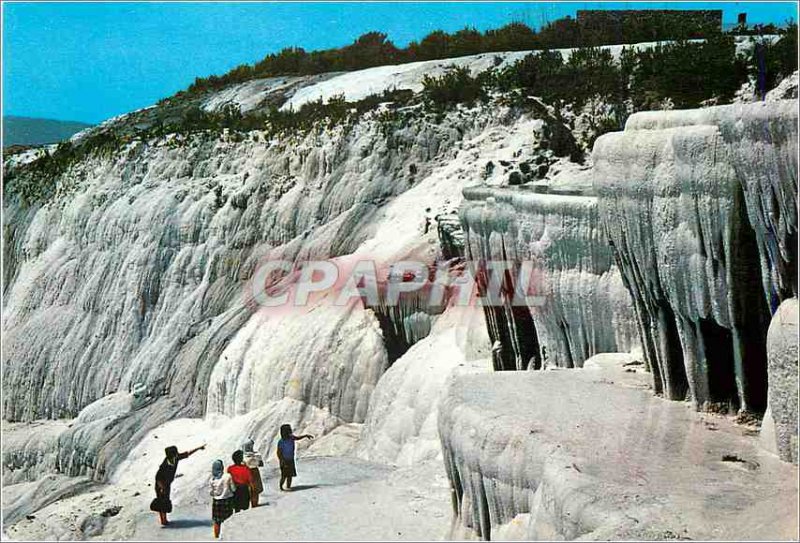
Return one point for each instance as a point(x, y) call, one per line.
point(222, 489)
point(253, 461)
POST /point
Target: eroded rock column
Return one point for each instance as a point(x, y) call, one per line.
point(783, 381)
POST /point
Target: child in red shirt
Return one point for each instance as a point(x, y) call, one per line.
point(241, 478)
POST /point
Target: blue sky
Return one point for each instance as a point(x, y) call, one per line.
point(90, 61)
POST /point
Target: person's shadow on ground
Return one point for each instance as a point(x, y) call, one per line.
point(187, 523)
point(304, 487)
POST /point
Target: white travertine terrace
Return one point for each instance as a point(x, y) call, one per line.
point(129, 317)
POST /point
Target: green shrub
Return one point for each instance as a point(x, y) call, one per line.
point(587, 73)
point(541, 74)
point(592, 72)
point(688, 73)
point(456, 86)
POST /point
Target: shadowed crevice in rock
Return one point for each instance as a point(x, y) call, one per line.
point(718, 353)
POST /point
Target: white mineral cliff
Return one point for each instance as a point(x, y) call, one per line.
point(129, 300)
point(697, 212)
point(130, 318)
point(701, 208)
point(582, 305)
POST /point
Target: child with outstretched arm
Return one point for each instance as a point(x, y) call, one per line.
point(286, 454)
point(164, 477)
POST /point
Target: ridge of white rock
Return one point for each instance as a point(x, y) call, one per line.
point(358, 84)
point(402, 425)
point(265, 362)
point(786, 89)
point(251, 94)
point(691, 200)
point(591, 454)
point(145, 247)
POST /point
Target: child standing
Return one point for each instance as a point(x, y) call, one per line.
point(253, 461)
point(222, 489)
point(286, 454)
point(241, 478)
point(164, 477)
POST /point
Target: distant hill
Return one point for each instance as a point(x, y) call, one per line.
point(34, 131)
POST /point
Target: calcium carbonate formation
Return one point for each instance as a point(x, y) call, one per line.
point(701, 208)
point(130, 309)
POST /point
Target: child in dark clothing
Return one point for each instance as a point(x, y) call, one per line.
point(286, 454)
point(164, 477)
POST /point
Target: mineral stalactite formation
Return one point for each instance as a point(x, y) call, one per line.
point(580, 305)
point(699, 206)
point(683, 242)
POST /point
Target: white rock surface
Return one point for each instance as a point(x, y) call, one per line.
point(592, 455)
point(127, 301)
point(783, 379)
point(248, 96)
point(786, 89)
point(330, 357)
point(691, 200)
point(584, 307)
point(402, 424)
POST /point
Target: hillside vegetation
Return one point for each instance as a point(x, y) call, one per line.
point(375, 49)
point(590, 91)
